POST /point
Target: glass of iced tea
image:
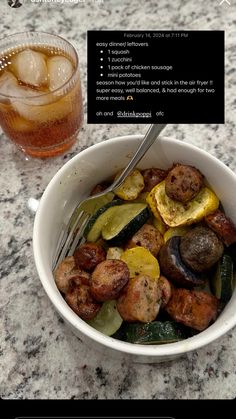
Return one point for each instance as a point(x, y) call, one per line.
point(41, 107)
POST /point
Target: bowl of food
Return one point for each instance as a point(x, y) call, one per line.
point(154, 277)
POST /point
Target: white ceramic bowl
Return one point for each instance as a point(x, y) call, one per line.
point(73, 181)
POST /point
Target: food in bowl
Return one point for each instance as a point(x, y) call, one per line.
point(156, 266)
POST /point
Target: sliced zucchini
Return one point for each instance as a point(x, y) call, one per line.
point(125, 221)
point(92, 206)
point(231, 251)
point(108, 319)
point(99, 219)
point(154, 333)
point(222, 283)
point(131, 187)
point(140, 261)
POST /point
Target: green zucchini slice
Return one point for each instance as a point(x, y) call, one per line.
point(222, 284)
point(108, 319)
point(231, 251)
point(99, 219)
point(153, 333)
point(125, 221)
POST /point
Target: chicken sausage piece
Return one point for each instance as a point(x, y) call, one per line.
point(183, 183)
point(200, 248)
point(149, 237)
point(108, 279)
point(67, 274)
point(141, 300)
point(166, 290)
point(195, 309)
point(222, 226)
point(89, 255)
point(152, 177)
point(82, 303)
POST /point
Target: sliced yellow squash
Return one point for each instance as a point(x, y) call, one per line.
point(159, 224)
point(141, 262)
point(114, 252)
point(131, 187)
point(157, 220)
point(175, 231)
point(176, 213)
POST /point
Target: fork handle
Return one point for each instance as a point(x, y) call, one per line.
point(149, 138)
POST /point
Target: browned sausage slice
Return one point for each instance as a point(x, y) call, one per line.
point(89, 255)
point(149, 237)
point(66, 275)
point(222, 226)
point(108, 279)
point(141, 300)
point(82, 303)
point(166, 290)
point(152, 177)
point(195, 309)
point(183, 182)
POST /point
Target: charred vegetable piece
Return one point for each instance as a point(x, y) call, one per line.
point(154, 333)
point(183, 183)
point(126, 220)
point(194, 309)
point(222, 226)
point(173, 267)
point(200, 248)
point(131, 187)
point(222, 282)
point(141, 262)
point(176, 213)
point(108, 319)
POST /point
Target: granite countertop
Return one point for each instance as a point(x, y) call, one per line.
point(39, 355)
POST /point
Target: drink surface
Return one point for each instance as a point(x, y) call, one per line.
point(40, 99)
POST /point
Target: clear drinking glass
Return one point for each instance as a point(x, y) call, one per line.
point(41, 108)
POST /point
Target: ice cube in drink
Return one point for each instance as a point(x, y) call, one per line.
point(40, 99)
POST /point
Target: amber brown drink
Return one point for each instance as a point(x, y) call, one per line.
point(41, 108)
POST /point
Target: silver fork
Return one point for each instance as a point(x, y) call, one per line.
point(71, 235)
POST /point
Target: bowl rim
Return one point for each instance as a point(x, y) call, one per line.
point(201, 339)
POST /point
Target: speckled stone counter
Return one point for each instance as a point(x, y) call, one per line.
point(39, 355)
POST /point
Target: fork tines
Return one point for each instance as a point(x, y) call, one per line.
point(70, 237)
